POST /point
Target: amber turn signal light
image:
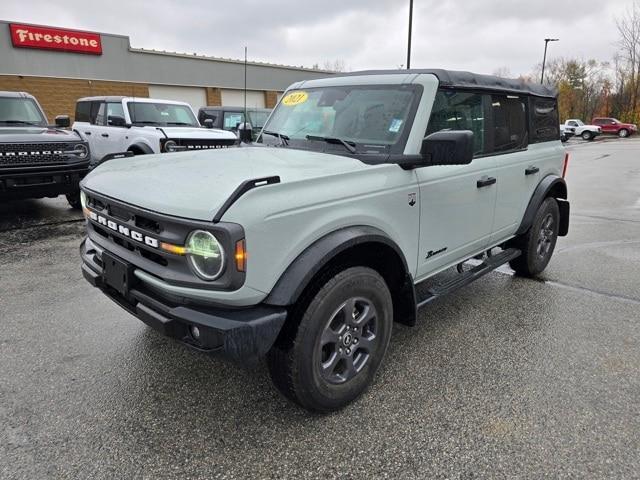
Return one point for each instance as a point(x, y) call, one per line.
point(241, 256)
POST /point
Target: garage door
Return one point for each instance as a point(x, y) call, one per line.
point(235, 98)
point(194, 96)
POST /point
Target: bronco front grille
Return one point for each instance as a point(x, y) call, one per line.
point(20, 154)
point(202, 144)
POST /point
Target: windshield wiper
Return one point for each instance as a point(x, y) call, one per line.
point(147, 122)
point(284, 139)
point(20, 122)
point(181, 123)
point(351, 146)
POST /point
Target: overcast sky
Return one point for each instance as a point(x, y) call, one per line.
point(476, 35)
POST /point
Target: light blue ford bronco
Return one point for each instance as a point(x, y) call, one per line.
point(308, 244)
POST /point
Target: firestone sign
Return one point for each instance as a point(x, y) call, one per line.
point(47, 38)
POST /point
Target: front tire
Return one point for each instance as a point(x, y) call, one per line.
point(538, 243)
point(623, 133)
point(586, 135)
point(74, 200)
point(332, 356)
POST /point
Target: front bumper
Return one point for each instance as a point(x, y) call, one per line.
point(239, 334)
point(38, 182)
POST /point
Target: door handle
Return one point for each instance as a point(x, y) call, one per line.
point(486, 181)
point(87, 133)
point(105, 135)
point(531, 170)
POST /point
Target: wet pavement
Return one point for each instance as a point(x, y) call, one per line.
point(507, 378)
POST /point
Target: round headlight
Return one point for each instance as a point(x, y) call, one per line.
point(81, 150)
point(170, 146)
point(83, 199)
point(205, 254)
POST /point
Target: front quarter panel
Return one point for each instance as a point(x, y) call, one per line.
point(282, 220)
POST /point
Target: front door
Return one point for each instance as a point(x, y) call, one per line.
point(457, 202)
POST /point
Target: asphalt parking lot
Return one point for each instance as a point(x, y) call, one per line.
point(509, 377)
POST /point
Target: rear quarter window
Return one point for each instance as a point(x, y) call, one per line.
point(544, 120)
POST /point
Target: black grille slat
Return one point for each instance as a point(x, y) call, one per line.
point(34, 153)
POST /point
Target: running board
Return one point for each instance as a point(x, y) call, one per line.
point(463, 279)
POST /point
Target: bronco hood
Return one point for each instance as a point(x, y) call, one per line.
point(36, 135)
point(196, 184)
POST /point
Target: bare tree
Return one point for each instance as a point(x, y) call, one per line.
point(629, 45)
point(503, 72)
point(337, 65)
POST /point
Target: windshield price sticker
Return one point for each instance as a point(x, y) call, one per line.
point(295, 98)
point(396, 123)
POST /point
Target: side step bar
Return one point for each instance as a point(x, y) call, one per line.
point(463, 279)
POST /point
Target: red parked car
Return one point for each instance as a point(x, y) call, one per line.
point(615, 127)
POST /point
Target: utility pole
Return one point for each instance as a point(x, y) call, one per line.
point(544, 59)
point(409, 39)
point(244, 120)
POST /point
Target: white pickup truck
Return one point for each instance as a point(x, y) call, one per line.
point(576, 127)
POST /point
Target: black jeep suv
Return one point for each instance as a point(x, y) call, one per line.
point(38, 160)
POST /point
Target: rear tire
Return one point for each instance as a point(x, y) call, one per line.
point(538, 243)
point(623, 133)
point(332, 356)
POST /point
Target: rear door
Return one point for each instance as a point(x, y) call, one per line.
point(457, 202)
point(517, 168)
point(99, 134)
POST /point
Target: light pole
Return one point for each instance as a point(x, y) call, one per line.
point(544, 59)
point(409, 39)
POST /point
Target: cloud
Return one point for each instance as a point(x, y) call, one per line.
point(477, 35)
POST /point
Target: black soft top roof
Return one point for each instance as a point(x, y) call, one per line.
point(453, 78)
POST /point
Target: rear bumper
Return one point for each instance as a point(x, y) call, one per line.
point(239, 334)
point(38, 182)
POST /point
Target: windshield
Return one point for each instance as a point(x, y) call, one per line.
point(20, 111)
point(579, 122)
point(371, 115)
point(163, 114)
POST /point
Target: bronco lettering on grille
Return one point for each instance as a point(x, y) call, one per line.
point(126, 231)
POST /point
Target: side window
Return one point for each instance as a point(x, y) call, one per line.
point(544, 119)
point(114, 110)
point(573, 124)
point(95, 107)
point(100, 116)
point(598, 121)
point(83, 112)
point(459, 111)
point(509, 122)
point(231, 120)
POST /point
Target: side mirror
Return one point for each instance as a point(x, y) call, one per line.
point(448, 147)
point(116, 121)
point(245, 132)
point(208, 123)
point(63, 121)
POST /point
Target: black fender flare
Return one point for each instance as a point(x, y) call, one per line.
point(146, 149)
point(301, 272)
point(550, 186)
